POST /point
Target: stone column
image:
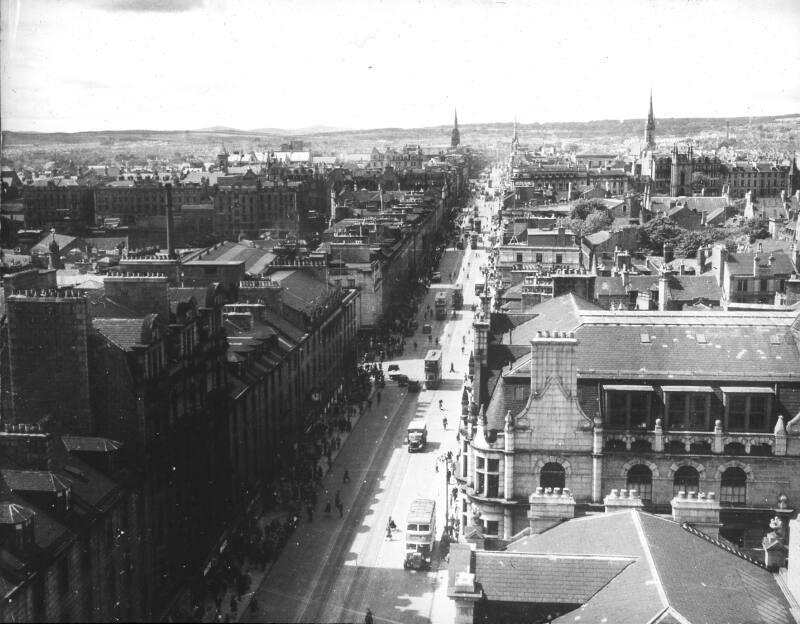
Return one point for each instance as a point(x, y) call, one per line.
point(597, 461)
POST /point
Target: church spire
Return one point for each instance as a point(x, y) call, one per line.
point(515, 138)
point(650, 128)
point(455, 136)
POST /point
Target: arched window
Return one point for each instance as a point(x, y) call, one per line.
point(686, 479)
point(733, 486)
point(552, 476)
point(640, 478)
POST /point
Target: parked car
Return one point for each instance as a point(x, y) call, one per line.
point(402, 380)
point(394, 367)
point(427, 329)
point(436, 277)
point(414, 386)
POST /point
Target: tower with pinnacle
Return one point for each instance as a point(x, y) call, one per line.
point(455, 136)
point(650, 128)
point(515, 138)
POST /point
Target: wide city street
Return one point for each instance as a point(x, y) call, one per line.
point(334, 569)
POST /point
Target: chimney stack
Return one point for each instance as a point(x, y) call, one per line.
point(553, 355)
point(663, 291)
point(619, 500)
point(755, 265)
point(699, 510)
point(549, 507)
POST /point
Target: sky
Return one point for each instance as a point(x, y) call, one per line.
point(74, 65)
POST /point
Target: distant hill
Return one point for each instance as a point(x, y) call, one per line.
point(775, 135)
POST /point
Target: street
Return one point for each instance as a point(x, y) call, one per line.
point(334, 569)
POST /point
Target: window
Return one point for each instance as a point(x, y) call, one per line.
point(491, 527)
point(733, 486)
point(552, 476)
point(640, 478)
point(519, 258)
point(539, 258)
point(686, 479)
point(747, 412)
point(559, 258)
point(628, 410)
point(493, 478)
point(763, 285)
point(741, 285)
point(688, 411)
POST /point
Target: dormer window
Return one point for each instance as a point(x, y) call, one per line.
point(628, 406)
point(747, 408)
point(688, 408)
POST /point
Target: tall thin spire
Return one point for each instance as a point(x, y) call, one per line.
point(515, 138)
point(455, 136)
point(650, 128)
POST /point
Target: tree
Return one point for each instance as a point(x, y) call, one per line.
point(655, 233)
point(597, 221)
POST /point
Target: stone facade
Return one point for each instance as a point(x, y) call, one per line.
point(731, 434)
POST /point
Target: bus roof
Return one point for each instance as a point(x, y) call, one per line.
point(433, 354)
point(417, 423)
point(421, 508)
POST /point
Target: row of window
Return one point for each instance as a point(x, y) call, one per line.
point(733, 482)
point(688, 411)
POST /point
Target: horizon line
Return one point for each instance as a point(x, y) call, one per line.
point(223, 129)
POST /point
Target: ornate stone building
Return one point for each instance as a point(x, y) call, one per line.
point(659, 402)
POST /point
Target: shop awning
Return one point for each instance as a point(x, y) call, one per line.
point(627, 388)
point(701, 389)
point(747, 390)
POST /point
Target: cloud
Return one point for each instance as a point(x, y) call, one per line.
point(151, 6)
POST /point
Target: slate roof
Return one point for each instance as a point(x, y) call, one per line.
point(13, 513)
point(124, 333)
point(511, 577)
point(736, 345)
point(715, 587)
point(90, 444)
point(742, 263)
point(299, 288)
point(561, 313)
point(33, 481)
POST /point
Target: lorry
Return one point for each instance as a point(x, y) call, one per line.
point(458, 296)
point(433, 369)
point(417, 435)
point(420, 534)
point(473, 240)
point(440, 303)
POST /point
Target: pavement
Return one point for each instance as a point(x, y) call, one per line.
point(257, 575)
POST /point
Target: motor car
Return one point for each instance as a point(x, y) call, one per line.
point(414, 386)
point(402, 380)
point(436, 277)
point(394, 367)
point(427, 329)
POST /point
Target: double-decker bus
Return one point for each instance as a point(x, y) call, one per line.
point(440, 303)
point(420, 533)
point(433, 369)
point(458, 297)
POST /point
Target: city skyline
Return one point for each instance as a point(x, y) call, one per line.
point(192, 64)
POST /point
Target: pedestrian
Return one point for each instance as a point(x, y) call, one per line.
point(452, 365)
point(346, 477)
point(388, 533)
point(368, 617)
point(328, 509)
